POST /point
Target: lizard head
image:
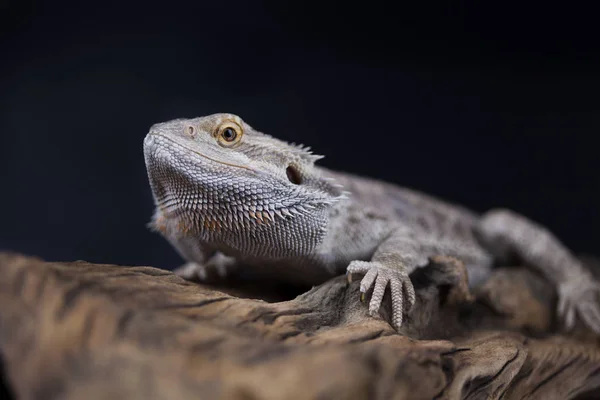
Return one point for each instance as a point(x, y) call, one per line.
point(237, 189)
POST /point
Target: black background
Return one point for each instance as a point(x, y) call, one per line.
point(483, 105)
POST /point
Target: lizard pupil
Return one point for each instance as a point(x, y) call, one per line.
point(293, 175)
point(229, 134)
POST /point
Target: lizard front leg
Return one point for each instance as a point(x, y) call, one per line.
point(202, 263)
point(503, 231)
point(393, 261)
point(216, 267)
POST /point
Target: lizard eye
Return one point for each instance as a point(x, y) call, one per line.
point(293, 175)
point(229, 134)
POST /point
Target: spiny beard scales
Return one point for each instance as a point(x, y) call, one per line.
point(234, 212)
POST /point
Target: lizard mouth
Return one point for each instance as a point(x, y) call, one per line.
point(153, 139)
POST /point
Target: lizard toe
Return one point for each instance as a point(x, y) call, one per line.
point(591, 315)
point(381, 283)
point(397, 300)
point(580, 298)
point(368, 280)
point(409, 290)
point(191, 271)
point(359, 267)
point(569, 317)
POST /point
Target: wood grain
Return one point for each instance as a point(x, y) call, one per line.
point(90, 331)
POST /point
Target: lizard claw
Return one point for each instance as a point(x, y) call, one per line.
point(581, 297)
point(349, 277)
point(379, 277)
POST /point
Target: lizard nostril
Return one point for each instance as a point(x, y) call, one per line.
point(293, 175)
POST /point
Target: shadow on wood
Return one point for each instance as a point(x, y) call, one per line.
point(80, 330)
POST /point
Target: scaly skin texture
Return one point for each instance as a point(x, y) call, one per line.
point(228, 195)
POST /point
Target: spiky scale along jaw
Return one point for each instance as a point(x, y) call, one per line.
point(240, 199)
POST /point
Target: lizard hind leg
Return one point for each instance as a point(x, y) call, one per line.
point(503, 231)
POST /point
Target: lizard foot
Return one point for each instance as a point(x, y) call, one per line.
point(581, 297)
point(379, 276)
point(218, 267)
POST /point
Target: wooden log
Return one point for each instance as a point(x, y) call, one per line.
point(92, 331)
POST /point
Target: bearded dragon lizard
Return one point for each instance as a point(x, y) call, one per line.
point(227, 194)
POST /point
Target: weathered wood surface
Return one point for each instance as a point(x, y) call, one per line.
point(89, 331)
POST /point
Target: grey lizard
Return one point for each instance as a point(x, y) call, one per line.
point(227, 194)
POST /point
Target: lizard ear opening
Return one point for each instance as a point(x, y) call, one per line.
point(293, 175)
